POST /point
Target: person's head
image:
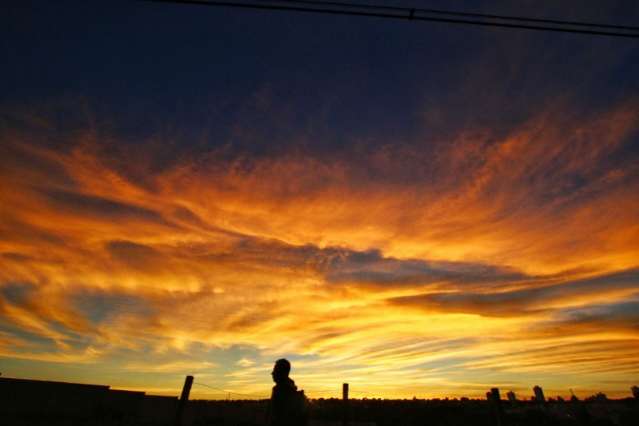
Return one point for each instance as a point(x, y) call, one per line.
point(281, 370)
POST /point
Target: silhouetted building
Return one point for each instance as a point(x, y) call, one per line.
point(511, 396)
point(635, 391)
point(51, 398)
point(47, 402)
point(539, 394)
point(494, 395)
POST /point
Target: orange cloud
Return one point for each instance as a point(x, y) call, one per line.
point(429, 263)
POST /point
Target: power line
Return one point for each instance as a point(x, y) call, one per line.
point(412, 14)
point(255, 395)
point(466, 14)
point(229, 392)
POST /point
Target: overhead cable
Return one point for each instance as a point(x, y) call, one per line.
point(414, 14)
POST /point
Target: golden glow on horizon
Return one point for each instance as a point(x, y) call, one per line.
point(487, 274)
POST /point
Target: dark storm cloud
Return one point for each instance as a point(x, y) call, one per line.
point(22, 336)
point(17, 293)
point(186, 216)
point(19, 231)
point(524, 301)
point(100, 306)
point(95, 206)
point(372, 268)
point(596, 318)
point(21, 160)
point(338, 265)
point(133, 254)
point(16, 257)
point(365, 268)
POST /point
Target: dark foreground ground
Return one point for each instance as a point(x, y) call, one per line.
point(34, 403)
point(431, 412)
point(361, 412)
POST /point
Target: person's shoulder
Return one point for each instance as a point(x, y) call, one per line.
point(279, 389)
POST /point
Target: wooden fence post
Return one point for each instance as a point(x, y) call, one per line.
point(188, 382)
point(345, 413)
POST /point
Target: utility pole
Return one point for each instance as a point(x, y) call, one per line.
point(188, 382)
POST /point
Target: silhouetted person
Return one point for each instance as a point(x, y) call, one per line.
point(288, 405)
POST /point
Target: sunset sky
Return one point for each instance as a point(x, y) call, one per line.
point(417, 209)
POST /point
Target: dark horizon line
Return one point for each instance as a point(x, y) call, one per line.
point(526, 398)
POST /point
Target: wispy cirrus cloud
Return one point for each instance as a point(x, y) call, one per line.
point(422, 261)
